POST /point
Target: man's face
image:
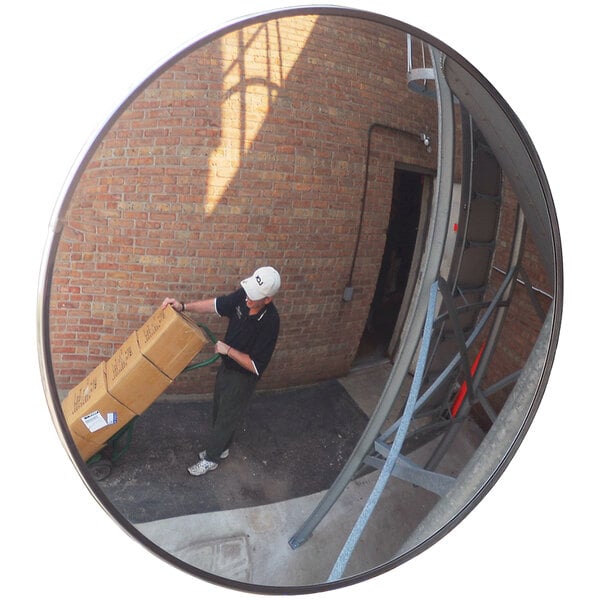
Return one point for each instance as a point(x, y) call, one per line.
point(255, 306)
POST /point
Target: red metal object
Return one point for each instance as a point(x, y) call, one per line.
point(462, 392)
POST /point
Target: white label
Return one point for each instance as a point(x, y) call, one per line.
point(94, 421)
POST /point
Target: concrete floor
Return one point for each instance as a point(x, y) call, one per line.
point(250, 546)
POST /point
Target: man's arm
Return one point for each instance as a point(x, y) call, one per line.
point(196, 306)
point(205, 307)
point(241, 358)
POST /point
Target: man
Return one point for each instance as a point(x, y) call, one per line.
point(246, 351)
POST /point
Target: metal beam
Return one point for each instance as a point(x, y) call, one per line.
point(412, 336)
point(390, 462)
point(496, 449)
point(491, 343)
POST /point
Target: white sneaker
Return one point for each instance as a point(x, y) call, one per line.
point(202, 467)
point(223, 455)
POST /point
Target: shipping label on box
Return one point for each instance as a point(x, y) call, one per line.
point(132, 379)
point(91, 412)
point(170, 340)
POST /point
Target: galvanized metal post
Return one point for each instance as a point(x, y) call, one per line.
point(412, 336)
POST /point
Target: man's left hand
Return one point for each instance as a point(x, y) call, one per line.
point(222, 347)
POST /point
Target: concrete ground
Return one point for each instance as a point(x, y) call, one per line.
point(250, 545)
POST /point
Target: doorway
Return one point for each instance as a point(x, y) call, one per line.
point(395, 268)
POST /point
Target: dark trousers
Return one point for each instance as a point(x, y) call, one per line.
point(233, 390)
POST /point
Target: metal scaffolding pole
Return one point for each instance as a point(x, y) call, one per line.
point(496, 449)
point(490, 346)
point(494, 306)
point(412, 337)
point(344, 556)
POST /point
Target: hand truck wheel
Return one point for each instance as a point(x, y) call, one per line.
point(101, 469)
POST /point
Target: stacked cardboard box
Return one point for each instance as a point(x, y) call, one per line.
point(93, 415)
point(132, 379)
point(170, 340)
point(126, 384)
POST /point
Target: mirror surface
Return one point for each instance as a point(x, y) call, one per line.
point(381, 176)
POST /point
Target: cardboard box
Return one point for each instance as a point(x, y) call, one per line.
point(125, 385)
point(86, 448)
point(132, 379)
point(170, 340)
point(91, 412)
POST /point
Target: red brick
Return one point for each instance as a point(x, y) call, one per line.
point(136, 229)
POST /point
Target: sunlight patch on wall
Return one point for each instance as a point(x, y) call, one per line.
point(258, 60)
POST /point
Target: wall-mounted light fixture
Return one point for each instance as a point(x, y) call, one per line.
point(424, 137)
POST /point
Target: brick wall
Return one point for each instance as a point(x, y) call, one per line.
point(250, 150)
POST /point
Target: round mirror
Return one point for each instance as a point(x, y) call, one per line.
point(407, 214)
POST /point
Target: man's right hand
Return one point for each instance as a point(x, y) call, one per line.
point(172, 302)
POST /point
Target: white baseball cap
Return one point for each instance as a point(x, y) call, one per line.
point(265, 282)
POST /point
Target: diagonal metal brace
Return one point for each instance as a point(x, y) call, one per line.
point(410, 471)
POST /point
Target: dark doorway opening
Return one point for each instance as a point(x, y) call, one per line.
point(395, 268)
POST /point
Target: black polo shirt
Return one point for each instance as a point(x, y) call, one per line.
point(255, 335)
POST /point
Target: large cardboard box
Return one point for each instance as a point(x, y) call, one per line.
point(170, 340)
point(92, 414)
point(132, 379)
point(86, 448)
point(126, 384)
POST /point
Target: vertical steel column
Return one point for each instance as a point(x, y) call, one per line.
point(412, 335)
